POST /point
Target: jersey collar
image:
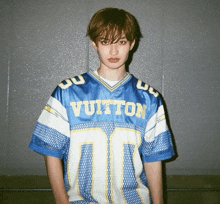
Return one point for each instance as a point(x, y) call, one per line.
point(110, 88)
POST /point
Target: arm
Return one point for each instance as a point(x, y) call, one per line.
point(154, 177)
point(55, 173)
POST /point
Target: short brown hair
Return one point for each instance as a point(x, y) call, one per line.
point(111, 23)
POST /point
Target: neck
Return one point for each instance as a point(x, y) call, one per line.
point(112, 74)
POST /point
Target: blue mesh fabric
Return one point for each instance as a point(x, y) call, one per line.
point(48, 141)
point(129, 182)
point(159, 149)
point(86, 172)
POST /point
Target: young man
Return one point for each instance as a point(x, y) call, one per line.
point(107, 126)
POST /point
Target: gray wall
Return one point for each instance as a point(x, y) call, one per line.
point(43, 42)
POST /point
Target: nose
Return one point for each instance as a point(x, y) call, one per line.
point(113, 49)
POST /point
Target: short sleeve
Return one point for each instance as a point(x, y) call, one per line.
point(52, 132)
point(157, 143)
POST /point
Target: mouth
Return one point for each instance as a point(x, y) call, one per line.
point(113, 60)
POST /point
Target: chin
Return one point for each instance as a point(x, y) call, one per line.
point(115, 66)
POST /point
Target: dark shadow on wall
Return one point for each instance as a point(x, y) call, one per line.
point(165, 188)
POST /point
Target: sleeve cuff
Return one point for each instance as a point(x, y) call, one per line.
point(162, 157)
point(45, 152)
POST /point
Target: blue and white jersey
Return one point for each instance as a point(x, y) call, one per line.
point(104, 134)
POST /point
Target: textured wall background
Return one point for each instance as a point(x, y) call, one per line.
point(43, 42)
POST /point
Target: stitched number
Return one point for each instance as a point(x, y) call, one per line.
point(69, 82)
point(67, 85)
point(78, 82)
point(139, 86)
point(88, 167)
point(145, 88)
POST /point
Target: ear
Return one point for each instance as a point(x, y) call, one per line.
point(132, 45)
point(94, 46)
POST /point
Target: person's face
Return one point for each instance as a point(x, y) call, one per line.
point(113, 55)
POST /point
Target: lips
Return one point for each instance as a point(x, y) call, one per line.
point(113, 60)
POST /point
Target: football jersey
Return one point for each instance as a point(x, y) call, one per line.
point(104, 134)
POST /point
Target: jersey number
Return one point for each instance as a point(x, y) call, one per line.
point(69, 82)
point(146, 87)
point(115, 161)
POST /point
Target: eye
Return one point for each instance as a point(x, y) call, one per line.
point(122, 42)
point(104, 42)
